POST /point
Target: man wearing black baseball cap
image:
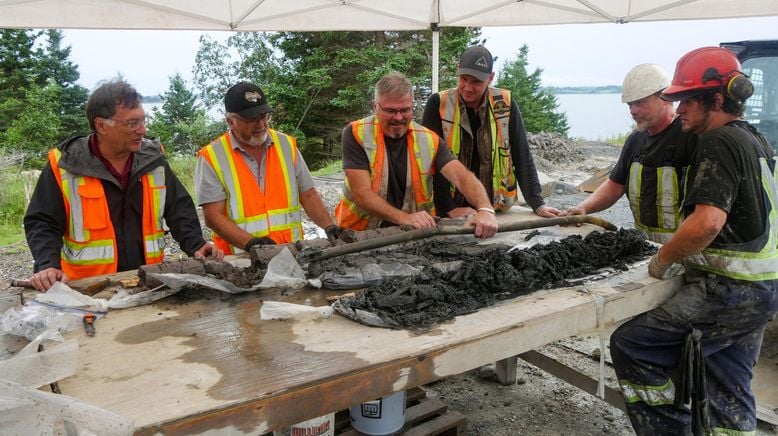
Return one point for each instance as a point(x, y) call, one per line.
point(252, 181)
point(468, 117)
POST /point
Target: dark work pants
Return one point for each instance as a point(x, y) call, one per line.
point(646, 350)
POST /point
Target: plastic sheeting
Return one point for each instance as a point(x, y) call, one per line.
point(25, 411)
point(32, 368)
point(370, 274)
point(283, 271)
point(62, 308)
point(283, 310)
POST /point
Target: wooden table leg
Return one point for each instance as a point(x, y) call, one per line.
point(506, 370)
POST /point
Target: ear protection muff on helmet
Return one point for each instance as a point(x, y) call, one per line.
point(735, 84)
point(740, 88)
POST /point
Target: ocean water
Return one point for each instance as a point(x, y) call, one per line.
point(595, 116)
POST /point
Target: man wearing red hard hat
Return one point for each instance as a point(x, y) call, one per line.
point(686, 366)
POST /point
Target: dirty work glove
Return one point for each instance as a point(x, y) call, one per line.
point(659, 271)
point(259, 241)
point(691, 386)
point(333, 232)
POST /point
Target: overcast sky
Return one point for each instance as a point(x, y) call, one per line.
point(570, 55)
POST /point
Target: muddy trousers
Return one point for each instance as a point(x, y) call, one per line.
point(646, 354)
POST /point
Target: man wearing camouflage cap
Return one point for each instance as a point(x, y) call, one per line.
point(483, 128)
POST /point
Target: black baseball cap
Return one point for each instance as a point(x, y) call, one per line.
point(477, 62)
point(246, 100)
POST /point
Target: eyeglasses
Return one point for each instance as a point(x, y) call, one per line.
point(263, 117)
point(392, 112)
point(131, 124)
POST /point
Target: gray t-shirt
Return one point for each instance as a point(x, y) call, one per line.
point(209, 188)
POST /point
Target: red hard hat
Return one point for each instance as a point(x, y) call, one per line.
point(703, 69)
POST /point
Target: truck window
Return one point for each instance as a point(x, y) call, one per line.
point(762, 107)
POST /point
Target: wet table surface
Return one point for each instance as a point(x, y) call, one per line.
point(192, 365)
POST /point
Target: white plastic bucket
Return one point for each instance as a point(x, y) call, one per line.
point(379, 417)
point(320, 426)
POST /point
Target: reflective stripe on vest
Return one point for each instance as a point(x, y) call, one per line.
point(276, 214)
point(755, 260)
point(422, 143)
point(668, 202)
point(89, 243)
point(651, 395)
point(503, 176)
point(155, 190)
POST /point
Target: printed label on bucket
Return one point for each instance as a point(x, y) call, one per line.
point(379, 417)
point(372, 409)
point(320, 426)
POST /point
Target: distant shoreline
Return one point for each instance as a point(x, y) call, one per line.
point(609, 89)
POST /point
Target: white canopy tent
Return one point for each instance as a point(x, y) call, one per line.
point(321, 15)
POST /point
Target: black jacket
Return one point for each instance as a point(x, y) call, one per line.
point(45, 220)
point(523, 163)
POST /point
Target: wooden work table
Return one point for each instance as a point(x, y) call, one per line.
point(190, 365)
point(213, 364)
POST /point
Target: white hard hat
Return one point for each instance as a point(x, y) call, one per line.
point(642, 81)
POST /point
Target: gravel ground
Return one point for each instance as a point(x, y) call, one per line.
point(539, 404)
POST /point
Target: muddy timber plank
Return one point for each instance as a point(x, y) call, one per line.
point(214, 365)
point(183, 366)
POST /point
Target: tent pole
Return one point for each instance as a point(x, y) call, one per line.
point(435, 56)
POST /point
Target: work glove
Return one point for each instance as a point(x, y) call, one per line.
point(259, 241)
point(691, 387)
point(659, 271)
point(333, 232)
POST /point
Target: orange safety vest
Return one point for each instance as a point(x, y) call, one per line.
point(503, 177)
point(89, 243)
point(422, 149)
point(276, 212)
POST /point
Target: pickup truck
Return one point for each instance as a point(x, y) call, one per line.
point(759, 60)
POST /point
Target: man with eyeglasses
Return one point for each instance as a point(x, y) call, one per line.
point(686, 366)
point(101, 204)
point(483, 128)
point(389, 161)
point(252, 182)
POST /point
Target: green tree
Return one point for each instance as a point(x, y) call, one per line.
point(63, 73)
point(319, 81)
point(18, 70)
point(243, 56)
point(35, 130)
point(179, 103)
point(182, 125)
point(34, 65)
point(332, 73)
point(539, 107)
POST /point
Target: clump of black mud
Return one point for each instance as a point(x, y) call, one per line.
point(245, 277)
point(485, 277)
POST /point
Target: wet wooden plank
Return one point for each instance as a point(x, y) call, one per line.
point(192, 366)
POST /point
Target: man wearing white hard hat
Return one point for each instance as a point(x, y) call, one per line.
point(653, 162)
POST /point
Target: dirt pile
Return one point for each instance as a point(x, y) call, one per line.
point(551, 149)
point(439, 294)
